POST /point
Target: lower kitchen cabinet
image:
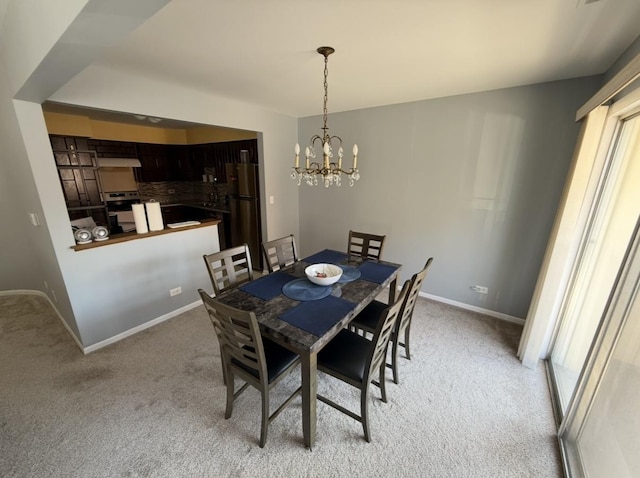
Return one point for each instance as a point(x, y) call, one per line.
point(182, 212)
point(179, 213)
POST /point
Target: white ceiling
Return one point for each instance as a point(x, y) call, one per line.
point(264, 52)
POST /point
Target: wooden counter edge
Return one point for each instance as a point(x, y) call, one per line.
point(132, 236)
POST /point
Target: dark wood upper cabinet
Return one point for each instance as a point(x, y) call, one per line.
point(154, 160)
point(181, 167)
point(159, 162)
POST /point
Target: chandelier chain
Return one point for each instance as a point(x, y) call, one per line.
point(326, 97)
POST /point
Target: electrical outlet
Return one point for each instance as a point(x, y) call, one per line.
point(53, 294)
point(480, 289)
point(176, 291)
point(33, 217)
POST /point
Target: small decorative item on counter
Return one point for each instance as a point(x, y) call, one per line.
point(100, 233)
point(82, 236)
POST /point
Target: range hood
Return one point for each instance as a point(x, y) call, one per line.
point(118, 163)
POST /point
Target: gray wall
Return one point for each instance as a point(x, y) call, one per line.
point(472, 180)
point(19, 268)
point(28, 259)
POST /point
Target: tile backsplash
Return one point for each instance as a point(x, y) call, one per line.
point(170, 192)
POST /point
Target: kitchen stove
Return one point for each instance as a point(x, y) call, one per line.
point(126, 197)
point(119, 207)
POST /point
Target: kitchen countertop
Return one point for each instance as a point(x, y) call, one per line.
point(130, 236)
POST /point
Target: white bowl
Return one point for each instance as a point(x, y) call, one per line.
point(323, 274)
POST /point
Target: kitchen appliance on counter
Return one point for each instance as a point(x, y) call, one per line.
point(120, 213)
point(244, 208)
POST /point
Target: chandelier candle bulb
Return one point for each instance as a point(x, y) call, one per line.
point(297, 151)
point(355, 156)
point(325, 151)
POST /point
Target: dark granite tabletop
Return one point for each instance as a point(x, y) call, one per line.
point(359, 291)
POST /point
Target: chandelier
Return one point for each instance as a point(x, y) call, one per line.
point(328, 171)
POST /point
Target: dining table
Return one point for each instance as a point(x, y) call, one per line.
point(304, 317)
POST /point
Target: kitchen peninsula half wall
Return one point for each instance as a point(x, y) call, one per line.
point(142, 283)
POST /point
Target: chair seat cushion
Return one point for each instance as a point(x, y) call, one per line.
point(369, 317)
point(346, 354)
point(278, 360)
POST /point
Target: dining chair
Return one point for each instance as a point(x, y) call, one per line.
point(259, 362)
point(280, 253)
point(356, 360)
point(367, 320)
point(368, 246)
point(229, 268)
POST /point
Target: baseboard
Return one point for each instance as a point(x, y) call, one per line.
point(473, 308)
point(141, 327)
point(193, 305)
point(110, 340)
point(39, 293)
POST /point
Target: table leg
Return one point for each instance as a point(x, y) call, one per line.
point(309, 367)
point(392, 290)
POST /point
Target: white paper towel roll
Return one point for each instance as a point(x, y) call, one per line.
point(140, 218)
point(154, 216)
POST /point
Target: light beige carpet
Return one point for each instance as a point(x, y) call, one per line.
point(153, 405)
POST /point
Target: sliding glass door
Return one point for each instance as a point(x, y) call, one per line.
point(595, 357)
point(604, 243)
point(600, 437)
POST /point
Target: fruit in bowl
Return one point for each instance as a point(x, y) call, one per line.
point(323, 274)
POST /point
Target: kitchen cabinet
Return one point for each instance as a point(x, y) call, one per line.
point(154, 160)
point(62, 143)
point(112, 149)
point(177, 213)
point(161, 162)
point(180, 165)
point(168, 163)
point(200, 157)
point(80, 182)
point(216, 155)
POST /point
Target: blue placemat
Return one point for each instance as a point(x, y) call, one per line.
point(327, 256)
point(374, 272)
point(303, 289)
point(269, 286)
point(319, 316)
point(349, 273)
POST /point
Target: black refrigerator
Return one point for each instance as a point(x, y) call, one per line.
point(244, 207)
